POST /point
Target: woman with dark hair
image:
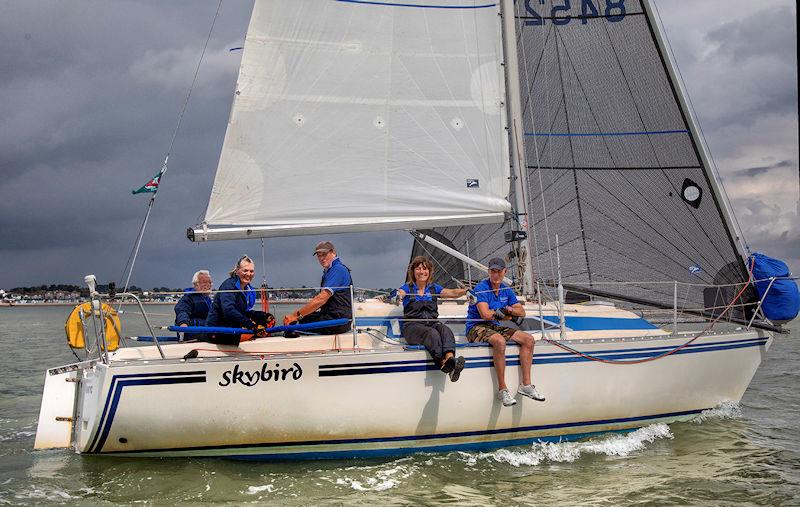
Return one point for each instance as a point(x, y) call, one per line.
point(421, 312)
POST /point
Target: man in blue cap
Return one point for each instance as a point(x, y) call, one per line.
point(496, 301)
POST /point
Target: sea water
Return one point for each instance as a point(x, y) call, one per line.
point(747, 453)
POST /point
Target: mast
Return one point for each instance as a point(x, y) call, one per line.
point(516, 147)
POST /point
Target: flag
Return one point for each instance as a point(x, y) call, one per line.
point(152, 185)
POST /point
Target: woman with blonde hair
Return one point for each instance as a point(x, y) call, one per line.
point(236, 298)
point(420, 316)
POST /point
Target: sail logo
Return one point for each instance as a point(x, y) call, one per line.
point(267, 373)
point(473, 183)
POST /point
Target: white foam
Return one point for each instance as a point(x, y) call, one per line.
point(567, 452)
point(383, 479)
point(254, 490)
point(8, 434)
point(725, 410)
point(17, 435)
point(41, 494)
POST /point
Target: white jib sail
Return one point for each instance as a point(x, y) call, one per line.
point(355, 115)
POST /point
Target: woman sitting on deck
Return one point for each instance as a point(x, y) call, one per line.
point(233, 305)
point(420, 314)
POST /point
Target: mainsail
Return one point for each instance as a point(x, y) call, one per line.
point(615, 168)
point(357, 115)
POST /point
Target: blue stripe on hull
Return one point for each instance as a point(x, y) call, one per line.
point(632, 422)
point(119, 382)
point(539, 359)
point(402, 451)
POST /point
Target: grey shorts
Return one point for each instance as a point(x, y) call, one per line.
point(483, 331)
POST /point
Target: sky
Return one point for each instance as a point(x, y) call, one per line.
point(90, 93)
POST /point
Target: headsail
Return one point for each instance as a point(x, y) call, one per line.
point(615, 165)
point(355, 115)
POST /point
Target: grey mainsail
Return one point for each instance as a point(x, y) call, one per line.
point(615, 168)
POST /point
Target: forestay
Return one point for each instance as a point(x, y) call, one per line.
point(615, 166)
point(355, 115)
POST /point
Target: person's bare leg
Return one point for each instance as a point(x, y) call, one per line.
point(525, 342)
point(498, 344)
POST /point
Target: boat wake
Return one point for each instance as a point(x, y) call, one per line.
point(254, 490)
point(391, 475)
point(381, 481)
point(567, 452)
point(725, 410)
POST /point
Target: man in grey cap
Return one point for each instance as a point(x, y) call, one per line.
point(496, 301)
point(334, 301)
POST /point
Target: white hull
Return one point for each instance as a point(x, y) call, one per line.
point(383, 399)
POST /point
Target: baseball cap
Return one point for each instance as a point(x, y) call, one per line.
point(323, 247)
point(497, 263)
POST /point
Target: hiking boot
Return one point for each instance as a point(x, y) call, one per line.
point(456, 373)
point(504, 396)
point(531, 392)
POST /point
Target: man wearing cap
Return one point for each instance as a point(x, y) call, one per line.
point(334, 300)
point(496, 301)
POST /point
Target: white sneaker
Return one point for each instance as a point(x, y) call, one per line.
point(504, 396)
point(530, 391)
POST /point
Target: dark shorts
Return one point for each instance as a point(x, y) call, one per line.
point(483, 331)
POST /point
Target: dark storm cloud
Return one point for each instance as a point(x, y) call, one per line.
point(91, 103)
point(768, 31)
point(764, 169)
point(91, 92)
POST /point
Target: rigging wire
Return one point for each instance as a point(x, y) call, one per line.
point(538, 156)
point(668, 352)
point(138, 242)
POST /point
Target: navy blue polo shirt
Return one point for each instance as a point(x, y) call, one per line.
point(336, 278)
point(483, 291)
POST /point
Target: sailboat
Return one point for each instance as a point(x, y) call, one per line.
point(555, 135)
